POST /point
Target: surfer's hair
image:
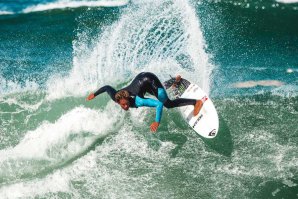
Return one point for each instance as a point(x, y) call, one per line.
point(121, 94)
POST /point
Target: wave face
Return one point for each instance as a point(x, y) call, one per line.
point(54, 144)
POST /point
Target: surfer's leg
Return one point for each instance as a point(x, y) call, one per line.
point(185, 102)
point(179, 102)
point(198, 106)
point(160, 93)
point(163, 97)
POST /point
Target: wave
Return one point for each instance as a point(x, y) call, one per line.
point(287, 1)
point(58, 182)
point(250, 84)
point(4, 12)
point(163, 37)
point(53, 144)
point(63, 4)
point(127, 161)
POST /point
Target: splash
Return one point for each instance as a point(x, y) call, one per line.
point(9, 86)
point(163, 37)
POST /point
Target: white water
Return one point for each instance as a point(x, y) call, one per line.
point(4, 12)
point(53, 144)
point(63, 4)
point(287, 1)
point(9, 86)
point(163, 37)
point(250, 84)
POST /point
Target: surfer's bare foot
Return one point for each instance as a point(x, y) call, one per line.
point(199, 104)
point(198, 107)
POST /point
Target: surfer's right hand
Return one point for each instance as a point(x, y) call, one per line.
point(177, 80)
point(90, 97)
point(154, 126)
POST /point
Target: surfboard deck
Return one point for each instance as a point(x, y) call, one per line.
point(206, 123)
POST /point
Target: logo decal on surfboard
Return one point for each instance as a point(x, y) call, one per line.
point(199, 118)
point(212, 133)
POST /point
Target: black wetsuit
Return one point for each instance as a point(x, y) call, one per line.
point(143, 83)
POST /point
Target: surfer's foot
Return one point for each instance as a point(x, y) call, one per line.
point(198, 105)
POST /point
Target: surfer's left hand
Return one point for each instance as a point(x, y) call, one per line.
point(90, 97)
point(154, 126)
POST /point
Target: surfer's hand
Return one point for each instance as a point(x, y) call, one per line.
point(90, 97)
point(178, 78)
point(154, 126)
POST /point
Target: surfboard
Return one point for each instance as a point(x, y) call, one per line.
point(206, 123)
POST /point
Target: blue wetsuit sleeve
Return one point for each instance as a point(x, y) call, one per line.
point(110, 90)
point(150, 103)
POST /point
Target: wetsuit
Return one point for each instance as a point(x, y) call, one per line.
point(148, 83)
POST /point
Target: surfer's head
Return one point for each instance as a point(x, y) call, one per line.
point(122, 98)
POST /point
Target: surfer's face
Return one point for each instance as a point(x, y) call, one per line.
point(124, 103)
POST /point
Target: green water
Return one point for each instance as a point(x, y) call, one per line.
point(55, 144)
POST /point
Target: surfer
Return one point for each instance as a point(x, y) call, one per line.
point(134, 95)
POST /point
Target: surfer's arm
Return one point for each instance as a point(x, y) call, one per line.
point(110, 90)
point(151, 103)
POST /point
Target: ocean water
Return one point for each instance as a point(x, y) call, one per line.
point(54, 144)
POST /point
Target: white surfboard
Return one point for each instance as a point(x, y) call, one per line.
point(206, 123)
